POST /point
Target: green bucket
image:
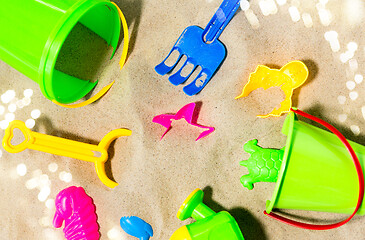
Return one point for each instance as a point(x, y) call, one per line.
point(317, 172)
point(32, 33)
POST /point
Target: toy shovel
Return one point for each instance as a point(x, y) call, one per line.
point(202, 48)
point(98, 154)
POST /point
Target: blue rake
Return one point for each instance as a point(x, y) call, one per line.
point(202, 48)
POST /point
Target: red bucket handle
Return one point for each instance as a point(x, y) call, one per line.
point(359, 173)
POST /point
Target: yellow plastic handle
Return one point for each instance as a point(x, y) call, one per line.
point(101, 93)
point(65, 147)
point(9, 134)
point(104, 144)
point(126, 37)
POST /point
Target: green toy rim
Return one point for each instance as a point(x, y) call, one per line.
point(271, 203)
point(186, 209)
point(56, 40)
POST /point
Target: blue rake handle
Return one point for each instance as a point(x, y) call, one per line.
point(220, 20)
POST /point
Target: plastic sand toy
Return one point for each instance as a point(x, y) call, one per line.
point(188, 112)
point(76, 209)
point(202, 48)
point(136, 227)
point(98, 154)
point(288, 78)
point(209, 225)
point(264, 164)
point(33, 33)
point(316, 172)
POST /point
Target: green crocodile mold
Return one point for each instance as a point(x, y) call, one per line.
point(263, 164)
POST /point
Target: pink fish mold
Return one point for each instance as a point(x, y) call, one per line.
point(76, 209)
point(190, 113)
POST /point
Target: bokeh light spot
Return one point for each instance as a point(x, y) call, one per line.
point(36, 113)
point(30, 123)
point(52, 167)
point(21, 169)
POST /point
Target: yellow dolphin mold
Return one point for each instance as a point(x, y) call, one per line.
point(288, 78)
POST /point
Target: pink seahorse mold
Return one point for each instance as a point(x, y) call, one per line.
point(76, 209)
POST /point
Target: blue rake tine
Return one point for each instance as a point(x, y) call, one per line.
point(162, 68)
point(177, 78)
point(199, 82)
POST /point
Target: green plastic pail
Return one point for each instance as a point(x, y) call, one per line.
point(317, 172)
point(32, 33)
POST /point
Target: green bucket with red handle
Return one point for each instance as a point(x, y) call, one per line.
point(318, 173)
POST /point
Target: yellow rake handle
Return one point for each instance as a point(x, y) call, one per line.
point(65, 147)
